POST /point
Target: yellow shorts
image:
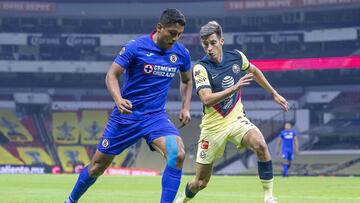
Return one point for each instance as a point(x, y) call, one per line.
point(211, 145)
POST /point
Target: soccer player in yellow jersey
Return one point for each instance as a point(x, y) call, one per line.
point(219, 77)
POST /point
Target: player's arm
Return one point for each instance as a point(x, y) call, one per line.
point(209, 98)
point(112, 84)
point(185, 91)
point(264, 83)
point(278, 145)
point(296, 145)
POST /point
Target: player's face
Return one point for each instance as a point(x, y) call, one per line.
point(213, 47)
point(168, 35)
point(287, 126)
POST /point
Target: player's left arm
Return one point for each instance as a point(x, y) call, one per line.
point(264, 83)
point(296, 145)
point(185, 91)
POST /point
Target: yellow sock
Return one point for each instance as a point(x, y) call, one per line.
point(268, 188)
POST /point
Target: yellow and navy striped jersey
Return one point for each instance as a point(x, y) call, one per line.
point(218, 77)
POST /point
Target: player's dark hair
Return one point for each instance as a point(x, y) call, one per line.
point(210, 28)
point(171, 16)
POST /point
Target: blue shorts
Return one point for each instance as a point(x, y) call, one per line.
point(287, 155)
point(121, 133)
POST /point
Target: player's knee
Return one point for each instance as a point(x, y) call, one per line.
point(201, 184)
point(175, 152)
point(181, 155)
point(96, 170)
point(260, 147)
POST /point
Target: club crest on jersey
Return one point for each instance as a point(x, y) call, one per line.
point(202, 155)
point(173, 58)
point(148, 68)
point(236, 68)
point(105, 143)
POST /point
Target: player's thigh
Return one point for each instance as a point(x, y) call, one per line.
point(253, 138)
point(240, 130)
point(166, 144)
point(211, 146)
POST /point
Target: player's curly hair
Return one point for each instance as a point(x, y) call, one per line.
point(210, 28)
point(171, 16)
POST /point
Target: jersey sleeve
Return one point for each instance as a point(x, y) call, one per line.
point(245, 61)
point(187, 61)
point(201, 77)
point(126, 55)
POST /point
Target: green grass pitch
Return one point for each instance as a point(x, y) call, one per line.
point(221, 189)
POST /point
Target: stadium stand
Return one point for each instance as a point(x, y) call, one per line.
point(34, 156)
point(7, 158)
point(65, 128)
point(70, 156)
point(65, 55)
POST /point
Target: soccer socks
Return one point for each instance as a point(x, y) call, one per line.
point(285, 169)
point(266, 177)
point(83, 183)
point(170, 184)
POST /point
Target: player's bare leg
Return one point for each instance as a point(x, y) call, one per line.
point(172, 148)
point(89, 174)
point(255, 141)
point(202, 178)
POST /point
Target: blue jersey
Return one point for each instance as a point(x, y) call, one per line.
point(148, 75)
point(287, 137)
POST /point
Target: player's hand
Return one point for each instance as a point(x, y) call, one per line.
point(184, 117)
point(245, 80)
point(124, 106)
point(281, 100)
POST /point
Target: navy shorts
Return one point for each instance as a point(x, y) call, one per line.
point(120, 134)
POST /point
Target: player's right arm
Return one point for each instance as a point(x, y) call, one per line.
point(112, 84)
point(209, 98)
point(278, 146)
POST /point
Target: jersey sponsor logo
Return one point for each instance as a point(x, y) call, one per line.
point(204, 145)
point(227, 82)
point(105, 143)
point(163, 71)
point(236, 68)
point(148, 68)
point(150, 54)
point(173, 58)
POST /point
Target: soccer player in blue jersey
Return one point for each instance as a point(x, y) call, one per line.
point(289, 142)
point(219, 77)
point(148, 63)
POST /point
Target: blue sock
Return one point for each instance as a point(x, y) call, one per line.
point(285, 169)
point(170, 184)
point(83, 183)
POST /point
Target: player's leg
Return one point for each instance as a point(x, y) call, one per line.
point(89, 174)
point(286, 163)
point(202, 178)
point(211, 146)
point(255, 141)
point(116, 137)
point(173, 150)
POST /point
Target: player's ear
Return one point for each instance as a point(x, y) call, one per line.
point(159, 26)
point(222, 41)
